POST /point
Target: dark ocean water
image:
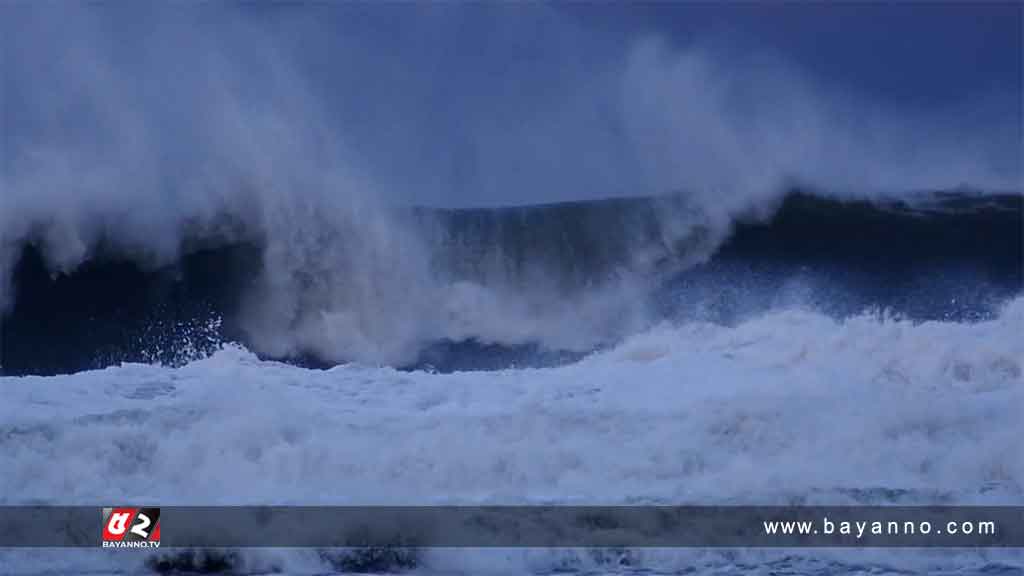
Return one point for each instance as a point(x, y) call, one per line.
point(950, 256)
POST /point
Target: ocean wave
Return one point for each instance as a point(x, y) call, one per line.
point(490, 288)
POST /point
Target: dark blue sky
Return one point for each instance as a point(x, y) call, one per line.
point(493, 103)
point(918, 53)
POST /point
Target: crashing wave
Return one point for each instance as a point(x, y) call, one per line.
point(321, 283)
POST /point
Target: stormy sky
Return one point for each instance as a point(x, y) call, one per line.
point(482, 104)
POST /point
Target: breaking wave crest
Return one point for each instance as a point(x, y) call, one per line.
point(321, 280)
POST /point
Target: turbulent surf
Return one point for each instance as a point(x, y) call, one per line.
point(805, 347)
point(500, 287)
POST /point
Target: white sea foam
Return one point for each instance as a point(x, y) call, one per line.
point(788, 407)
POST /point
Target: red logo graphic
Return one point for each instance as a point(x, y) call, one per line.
point(131, 527)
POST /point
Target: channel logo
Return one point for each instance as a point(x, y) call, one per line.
point(131, 528)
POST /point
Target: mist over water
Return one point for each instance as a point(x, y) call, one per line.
point(144, 132)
